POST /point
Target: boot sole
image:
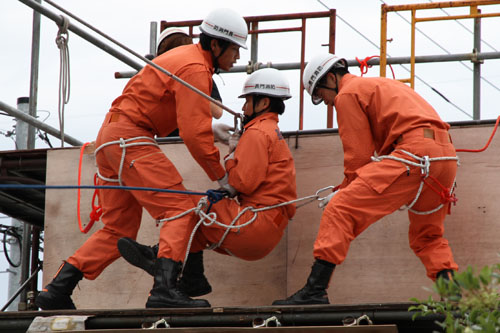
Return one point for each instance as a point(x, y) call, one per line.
point(134, 256)
point(200, 289)
point(53, 304)
point(157, 305)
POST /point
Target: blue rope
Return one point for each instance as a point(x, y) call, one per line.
point(213, 195)
point(108, 187)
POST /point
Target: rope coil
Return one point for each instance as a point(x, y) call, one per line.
point(64, 71)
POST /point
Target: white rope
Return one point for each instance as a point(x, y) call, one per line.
point(209, 219)
point(425, 166)
point(64, 72)
point(124, 144)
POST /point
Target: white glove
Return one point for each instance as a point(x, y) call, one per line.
point(233, 141)
point(224, 185)
point(323, 202)
point(222, 132)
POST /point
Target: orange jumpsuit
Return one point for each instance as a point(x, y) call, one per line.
point(263, 173)
point(384, 116)
point(152, 104)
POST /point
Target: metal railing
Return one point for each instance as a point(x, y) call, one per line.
point(474, 13)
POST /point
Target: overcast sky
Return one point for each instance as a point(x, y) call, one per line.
point(93, 86)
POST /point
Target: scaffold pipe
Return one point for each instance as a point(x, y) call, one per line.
point(58, 19)
point(38, 124)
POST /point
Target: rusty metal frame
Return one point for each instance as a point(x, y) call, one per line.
point(474, 13)
point(254, 31)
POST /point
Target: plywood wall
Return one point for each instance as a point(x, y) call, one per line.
point(379, 268)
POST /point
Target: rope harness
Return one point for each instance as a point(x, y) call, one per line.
point(210, 218)
point(64, 71)
point(424, 163)
point(124, 144)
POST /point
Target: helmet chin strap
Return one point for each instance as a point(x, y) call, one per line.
point(324, 86)
point(247, 119)
point(215, 59)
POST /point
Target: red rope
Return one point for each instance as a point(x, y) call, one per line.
point(363, 65)
point(444, 193)
point(487, 144)
point(96, 212)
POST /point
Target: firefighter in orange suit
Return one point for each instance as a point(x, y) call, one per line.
point(153, 105)
point(397, 152)
point(261, 170)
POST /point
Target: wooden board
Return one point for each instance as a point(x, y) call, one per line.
point(379, 268)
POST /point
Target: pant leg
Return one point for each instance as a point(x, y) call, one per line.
point(251, 242)
point(426, 232)
point(355, 208)
point(144, 166)
point(147, 166)
point(121, 217)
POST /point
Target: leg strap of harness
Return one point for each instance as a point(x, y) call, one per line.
point(424, 163)
point(124, 143)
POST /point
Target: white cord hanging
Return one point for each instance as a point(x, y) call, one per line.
point(64, 72)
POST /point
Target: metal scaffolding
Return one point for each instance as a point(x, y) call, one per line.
point(474, 13)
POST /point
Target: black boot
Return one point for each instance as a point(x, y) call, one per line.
point(446, 274)
point(57, 294)
point(165, 293)
point(314, 292)
point(453, 291)
point(193, 281)
point(139, 255)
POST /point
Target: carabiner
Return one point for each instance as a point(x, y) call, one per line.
point(331, 187)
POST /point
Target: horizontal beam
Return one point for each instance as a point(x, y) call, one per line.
point(38, 124)
point(354, 62)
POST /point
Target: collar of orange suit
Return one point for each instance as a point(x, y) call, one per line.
point(345, 79)
point(267, 115)
point(207, 56)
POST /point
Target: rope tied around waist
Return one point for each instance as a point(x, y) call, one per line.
point(424, 163)
point(124, 144)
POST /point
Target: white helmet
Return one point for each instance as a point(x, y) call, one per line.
point(170, 31)
point(224, 23)
point(316, 69)
point(268, 82)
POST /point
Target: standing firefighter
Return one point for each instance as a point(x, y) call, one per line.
point(153, 104)
point(261, 170)
point(397, 151)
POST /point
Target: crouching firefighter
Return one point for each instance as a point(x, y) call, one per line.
point(260, 172)
point(390, 137)
point(154, 104)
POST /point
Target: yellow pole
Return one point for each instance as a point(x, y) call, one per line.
point(412, 74)
point(383, 41)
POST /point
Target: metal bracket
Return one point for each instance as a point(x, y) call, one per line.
point(351, 321)
point(162, 323)
point(474, 58)
point(269, 322)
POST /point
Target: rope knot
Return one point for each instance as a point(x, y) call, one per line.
point(215, 196)
point(95, 214)
point(363, 64)
point(62, 40)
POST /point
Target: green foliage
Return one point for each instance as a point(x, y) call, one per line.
point(470, 302)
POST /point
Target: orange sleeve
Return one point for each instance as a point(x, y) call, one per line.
point(356, 135)
point(248, 169)
point(195, 123)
